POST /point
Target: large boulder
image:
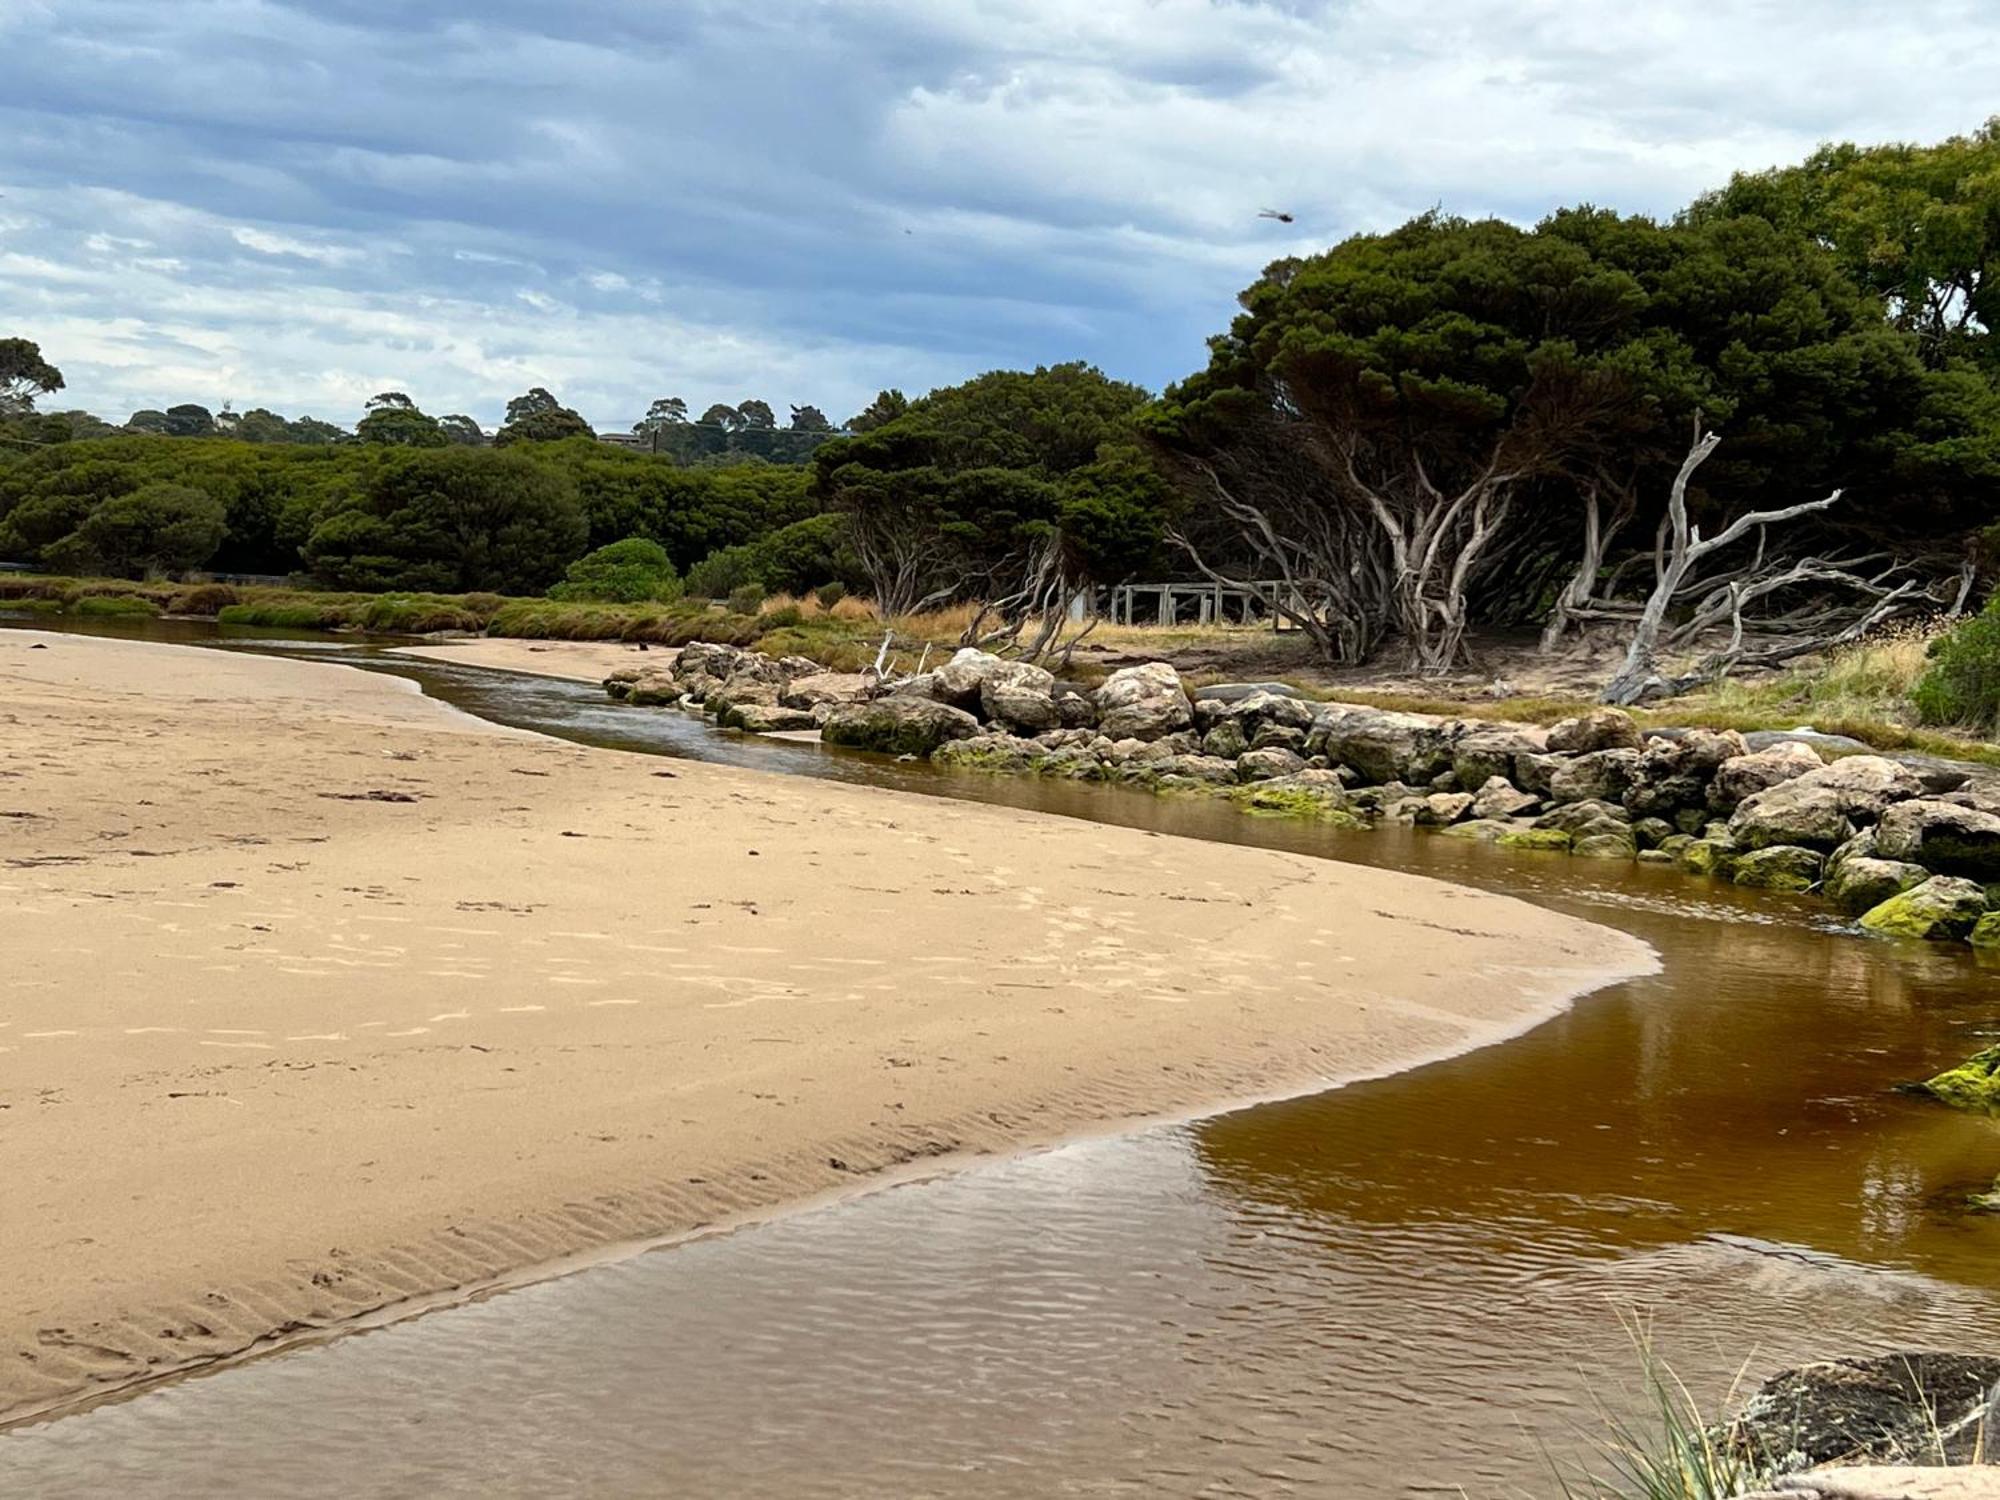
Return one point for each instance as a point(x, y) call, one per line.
point(653, 689)
point(1255, 710)
point(814, 689)
point(1442, 809)
point(1498, 797)
point(1381, 744)
point(1143, 703)
point(990, 752)
point(1226, 740)
point(1573, 817)
point(1974, 1084)
point(897, 726)
point(1674, 771)
point(1942, 909)
point(958, 681)
point(1862, 882)
point(1600, 729)
point(1599, 776)
point(1546, 840)
point(1793, 812)
point(1779, 867)
point(1867, 785)
point(1608, 843)
point(1746, 775)
point(1480, 755)
point(1211, 770)
point(1021, 695)
point(1942, 836)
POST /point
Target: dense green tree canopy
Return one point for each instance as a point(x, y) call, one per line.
point(156, 529)
point(627, 572)
point(537, 417)
point(24, 376)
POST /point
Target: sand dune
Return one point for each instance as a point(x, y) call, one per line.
point(317, 997)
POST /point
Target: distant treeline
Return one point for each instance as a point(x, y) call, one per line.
point(1449, 426)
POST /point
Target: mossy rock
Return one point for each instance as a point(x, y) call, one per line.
point(1481, 830)
point(1710, 857)
point(1986, 931)
point(1974, 1084)
point(1547, 840)
point(1674, 845)
point(1293, 802)
point(1657, 857)
point(1779, 867)
point(1605, 846)
point(1652, 833)
point(1942, 909)
point(1861, 882)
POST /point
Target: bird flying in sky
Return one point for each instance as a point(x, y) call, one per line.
point(1272, 213)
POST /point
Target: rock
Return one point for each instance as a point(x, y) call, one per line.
point(1441, 809)
point(958, 681)
point(820, 687)
point(1075, 711)
point(767, 718)
point(1974, 1084)
point(1535, 773)
point(1779, 867)
point(1483, 754)
point(1867, 785)
point(1381, 744)
point(1498, 797)
point(1600, 729)
point(1605, 844)
point(1793, 812)
point(742, 687)
point(1211, 769)
point(991, 752)
point(1378, 799)
point(1143, 702)
point(1745, 775)
point(1020, 695)
point(1942, 836)
point(897, 725)
point(619, 683)
point(1482, 830)
point(1281, 736)
point(1691, 820)
point(1263, 765)
point(1862, 882)
point(1295, 796)
point(1600, 775)
point(653, 689)
point(1942, 909)
point(1657, 857)
point(1549, 840)
point(1709, 857)
point(1986, 931)
point(1674, 845)
point(918, 685)
point(1890, 1409)
point(708, 659)
point(1699, 749)
point(1652, 832)
point(1674, 772)
point(1571, 817)
point(1258, 709)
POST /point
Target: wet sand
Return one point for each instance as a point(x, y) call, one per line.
point(580, 661)
point(320, 999)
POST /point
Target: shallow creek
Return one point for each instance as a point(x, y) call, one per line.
point(1421, 1285)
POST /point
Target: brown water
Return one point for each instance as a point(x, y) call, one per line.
point(1412, 1286)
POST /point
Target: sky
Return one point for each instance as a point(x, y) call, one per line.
point(298, 203)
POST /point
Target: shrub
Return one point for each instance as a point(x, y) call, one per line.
point(745, 598)
point(157, 528)
point(830, 594)
point(202, 599)
point(112, 606)
point(722, 572)
point(417, 614)
point(628, 572)
point(1962, 683)
point(783, 617)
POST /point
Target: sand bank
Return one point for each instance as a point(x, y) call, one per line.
point(317, 997)
point(579, 661)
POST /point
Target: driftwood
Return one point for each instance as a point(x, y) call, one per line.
point(1044, 598)
point(1839, 599)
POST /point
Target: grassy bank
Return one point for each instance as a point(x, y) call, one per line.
point(1865, 691)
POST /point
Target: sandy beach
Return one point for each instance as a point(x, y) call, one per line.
point(319, 998)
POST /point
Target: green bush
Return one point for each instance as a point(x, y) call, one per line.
point(112, 606)
point(721, 573)
point(633, 571)
point(1962, 684)
point(745, 598)
point(830, 594)
point(417, 614)
point(202, 599)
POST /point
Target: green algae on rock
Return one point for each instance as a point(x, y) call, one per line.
point(1779, 867)
point(1942, 909)
point(1974, 1084)
point(1550, 840)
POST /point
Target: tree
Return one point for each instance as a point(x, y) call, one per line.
point(461, 430)
point(393, 421)
point(628, 572)
point(809, 419)
point(261, 426)
point(962, 493)
point(148, 420)
point(451, 519)
point(312, 432)
point(538, 417)
point(668, 411)
point(1917, 226)
point(724, 418)
point(189, 420)
point(757, 415)
point(24, 376)
point(158, 528)
point(886, 407)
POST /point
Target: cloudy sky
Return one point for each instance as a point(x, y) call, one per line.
point(297, 203)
